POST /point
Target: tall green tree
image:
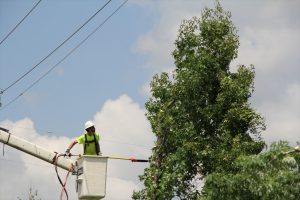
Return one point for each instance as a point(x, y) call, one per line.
point(201, 115)
point(272, 175)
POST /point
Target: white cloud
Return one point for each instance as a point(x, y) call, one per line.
point(124, 132)
point(119, 189)
point(123, 120)
point(283, 117)
point(268, 49)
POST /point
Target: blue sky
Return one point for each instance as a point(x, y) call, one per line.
point(107, 79)
point(102, 68)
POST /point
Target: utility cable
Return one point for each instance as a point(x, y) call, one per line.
point(62, 183)
point(30, 70)
point(20, 22)
point(66, 56)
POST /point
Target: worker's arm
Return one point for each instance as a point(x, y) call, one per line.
point(70, 147)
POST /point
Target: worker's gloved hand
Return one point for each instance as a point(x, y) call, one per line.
point(67, 153)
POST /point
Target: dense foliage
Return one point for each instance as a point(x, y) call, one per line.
point(272, 175)
point(201, 115)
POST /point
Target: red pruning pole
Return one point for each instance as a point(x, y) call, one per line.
point(132, 159)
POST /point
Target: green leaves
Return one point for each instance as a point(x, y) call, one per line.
point(270, 175)
point(201, 118)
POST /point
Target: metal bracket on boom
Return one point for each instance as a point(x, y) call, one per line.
point(7, 131)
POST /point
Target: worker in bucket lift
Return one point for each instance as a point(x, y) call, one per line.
point(90, 141)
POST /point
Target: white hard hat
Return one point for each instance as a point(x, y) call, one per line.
point(88, 124)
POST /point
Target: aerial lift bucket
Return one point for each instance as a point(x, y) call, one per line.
point(91, 177)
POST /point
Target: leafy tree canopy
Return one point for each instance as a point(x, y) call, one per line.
point(273, 175)
point(200, 115)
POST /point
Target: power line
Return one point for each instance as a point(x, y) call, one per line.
point(20, 22)
point(65, 57)
point(12, 84)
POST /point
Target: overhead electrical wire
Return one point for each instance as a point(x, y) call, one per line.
point(30, 70)
point(20, 22)
point(1, 91)
point(66, 56)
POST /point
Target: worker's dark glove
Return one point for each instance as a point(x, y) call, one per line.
point(67, 153)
